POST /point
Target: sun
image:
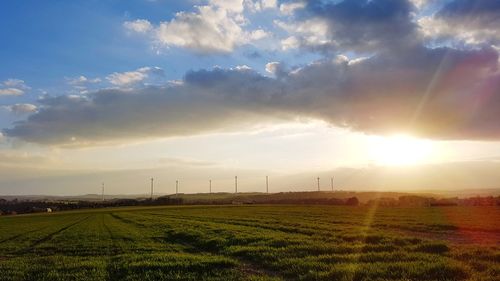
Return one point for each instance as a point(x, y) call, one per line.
point(400, 150)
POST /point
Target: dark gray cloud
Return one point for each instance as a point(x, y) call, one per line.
point(477, 10)
point(206, 101)
point(470, 22)
point(371, 26)
point(361, 25)
point(438, 93)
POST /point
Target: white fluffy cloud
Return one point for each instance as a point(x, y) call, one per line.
point(269, 4)
point(16, 83)
point(82, 80)
point(21, 108)
point(11, 92)
point(13, 87)
point(258, 34)
point(231, 6)
point(140, 25)
point(310, 32)
point(289, 8)
point(260, 5)
point(419, 3)
point(130, 78)
point(290, 43)
point(217, 27)
point(277, 69)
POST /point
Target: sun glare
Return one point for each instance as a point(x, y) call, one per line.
point(399, 150)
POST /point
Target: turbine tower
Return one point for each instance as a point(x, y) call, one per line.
point(318, 184)
point(152, 186)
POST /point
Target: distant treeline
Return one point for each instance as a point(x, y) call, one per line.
point(420, 201)
point(15, 206)
point(12, 207)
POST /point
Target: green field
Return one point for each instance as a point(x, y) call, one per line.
point(253, 243)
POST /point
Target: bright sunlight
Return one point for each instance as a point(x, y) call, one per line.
point(398, 150)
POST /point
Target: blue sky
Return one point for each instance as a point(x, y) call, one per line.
point(45, 42)
point(305, 79)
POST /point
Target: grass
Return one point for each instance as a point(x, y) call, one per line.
point(253, 243)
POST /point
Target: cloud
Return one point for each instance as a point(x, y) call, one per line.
point(290, 43)
point(362, 26)
point(399, 85)
point(129, 78)
point(483, 12)
point(440, 93)
point(13, 87)
point(419, 3)
point(260, 5)
point(311, 32)
point(205, 101)
point(268, 4)
point(276, 68)
point(11, 92)
point(21, 108)
point(289, 8)
point(470, 22)
point(213, 28)
point(22, 159)
point(16, 83)
point(82, 80)
point(139, 26)
point(258, 34)
point(170, 161)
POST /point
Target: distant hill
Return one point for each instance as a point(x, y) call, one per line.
point(263, 197)
point(363, 196)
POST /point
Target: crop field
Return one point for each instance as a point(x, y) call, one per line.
point(253, 243)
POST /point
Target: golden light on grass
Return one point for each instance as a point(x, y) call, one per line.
point(401, 149)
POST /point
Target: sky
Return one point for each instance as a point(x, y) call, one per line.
point(379, 95)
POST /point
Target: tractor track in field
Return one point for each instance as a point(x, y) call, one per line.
point(116, 248)
point(113, 273)
point(48, 237)
point(21, 235)
point(308, 230)
point(287, 230)
point(246, 267)
point(127, 221)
